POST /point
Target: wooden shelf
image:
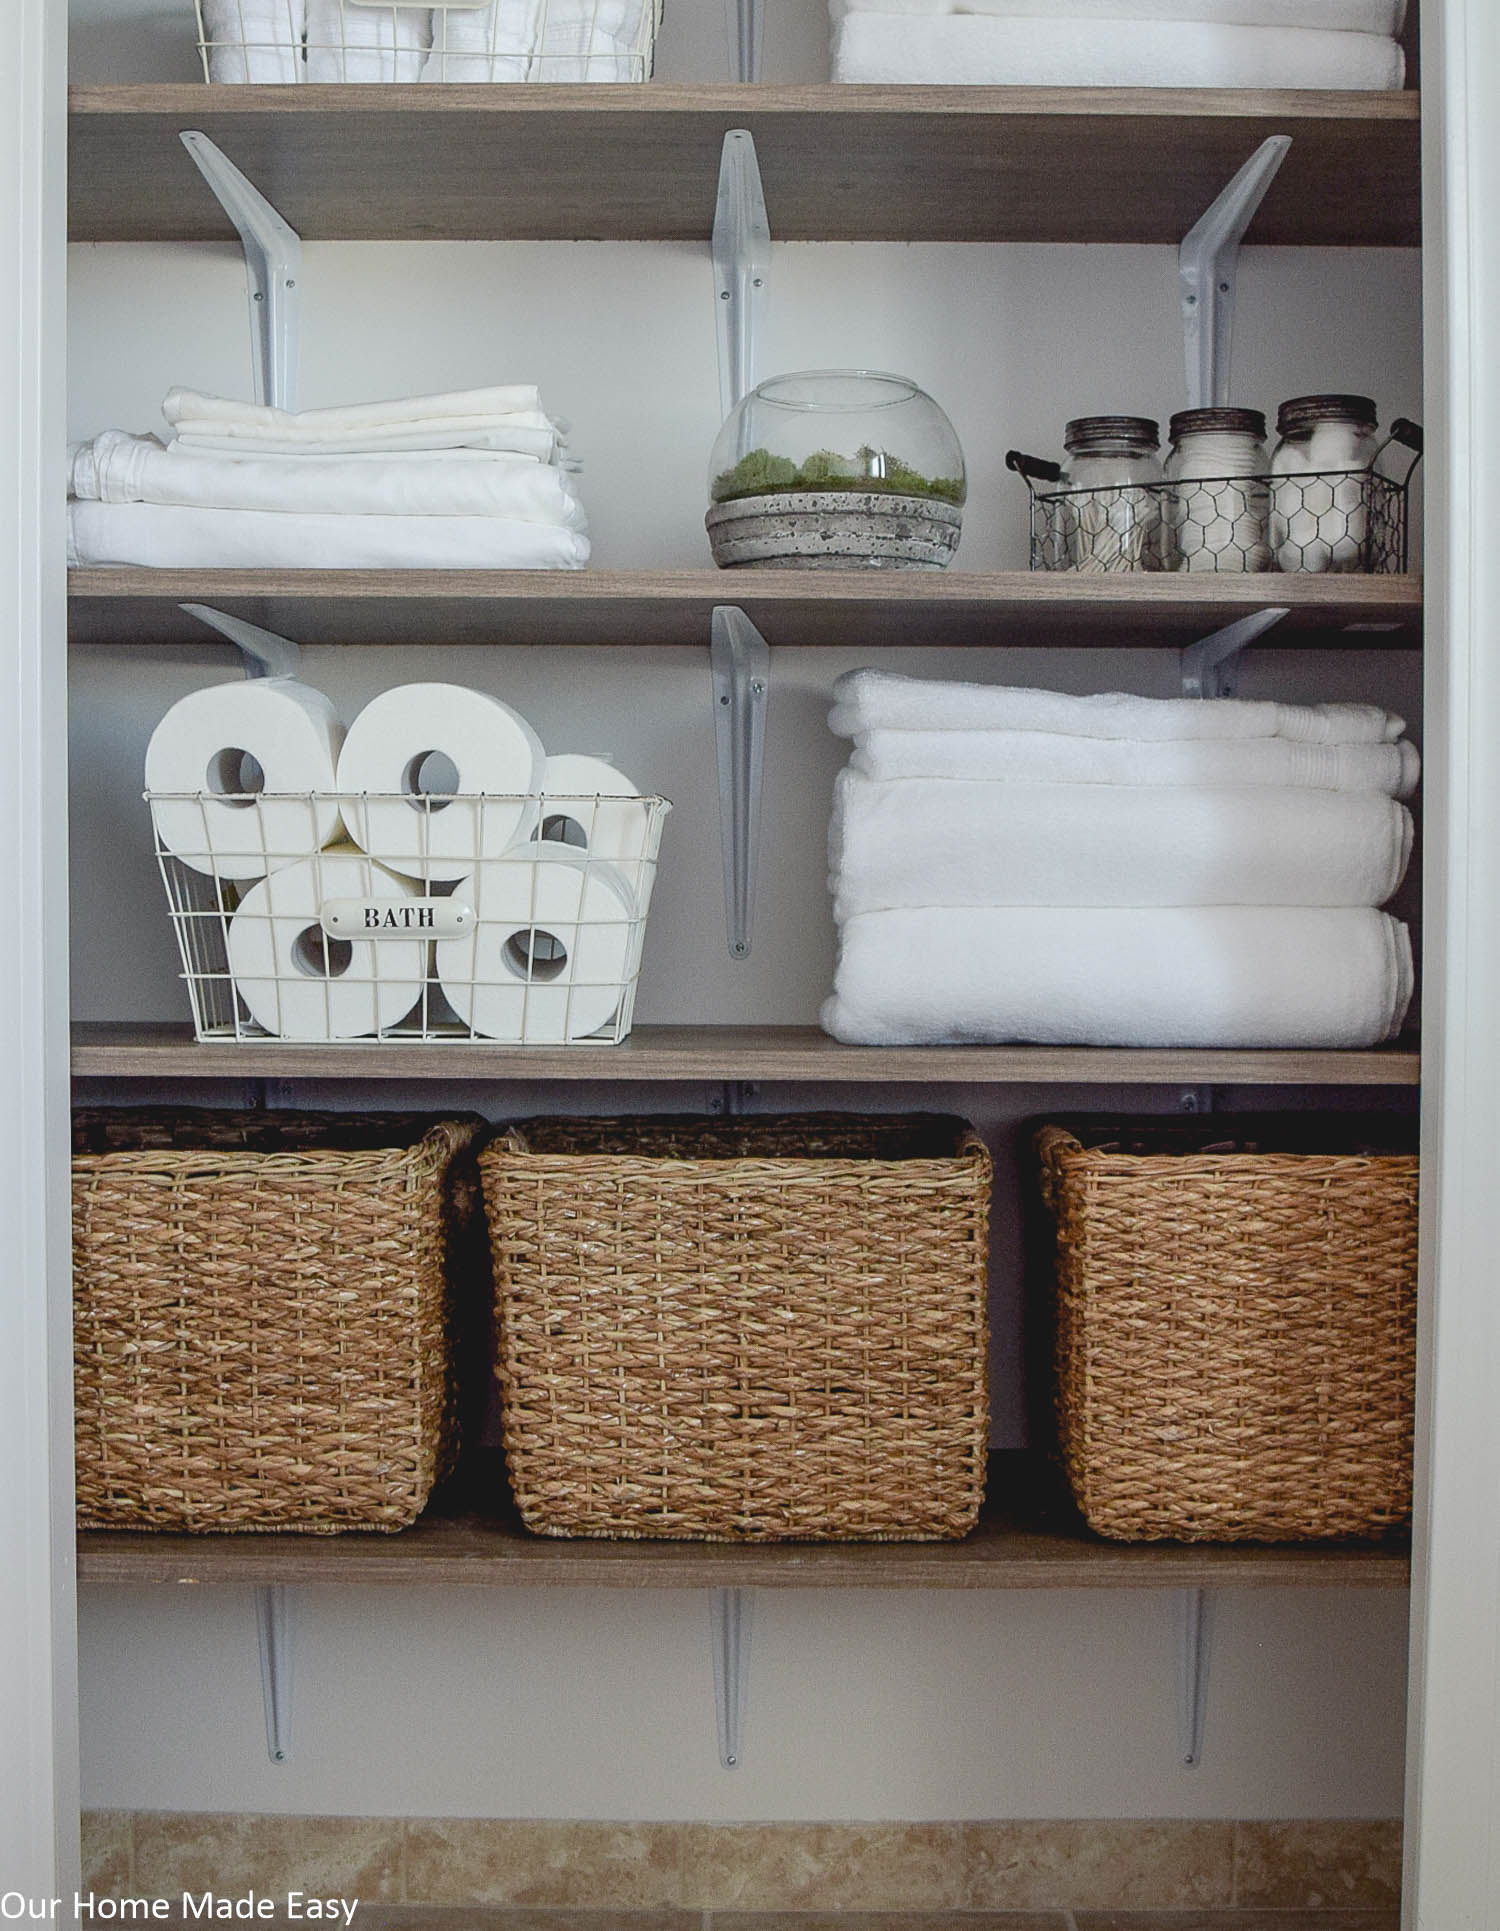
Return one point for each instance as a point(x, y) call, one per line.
point(1029, 1538)
point(838, 163)
point(106, 1050)
point(867, 608)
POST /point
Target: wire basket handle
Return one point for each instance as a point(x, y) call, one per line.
point(1033, 468)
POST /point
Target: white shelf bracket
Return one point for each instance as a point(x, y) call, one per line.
point(742, 266)
point(746, 21)
point(1208, 262)
point(1205, 664)
point(273, 1620)
point(731, 1648)
point(740, 662)
point(1194, 1617)
point(273, 263)
point(265, 654)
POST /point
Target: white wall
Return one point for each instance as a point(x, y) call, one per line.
point(599, 1705)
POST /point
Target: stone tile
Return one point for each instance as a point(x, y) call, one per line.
point(1080, 1865)
point(478, 1860)
point(1318, 1864)
point(823, 1867)
point(231, 1854)
point(105, 1843)
point(1238, 1920)
point(887, 1921)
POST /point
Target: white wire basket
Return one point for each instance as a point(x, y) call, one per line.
point(281, 41)
point(517, 919)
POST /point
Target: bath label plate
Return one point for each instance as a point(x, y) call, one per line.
point(396, 918)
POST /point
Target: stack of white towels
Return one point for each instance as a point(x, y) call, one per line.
point(353, 896)
point(470, 481)
point(1121, 43)
point(495, 40)
point(1115, 870)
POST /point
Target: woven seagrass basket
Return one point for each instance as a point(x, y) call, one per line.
point(1235, 1331)
point(261, 1318)
point(742, 1329)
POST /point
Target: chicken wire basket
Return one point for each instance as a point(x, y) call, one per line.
point(1318, 522)
point(521, 922)
point(281, 41)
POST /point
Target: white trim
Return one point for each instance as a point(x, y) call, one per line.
point(38, 1696)
point(1453, 1831)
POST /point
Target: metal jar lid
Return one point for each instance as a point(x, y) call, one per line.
point(1134, 432)
point(1303, 412)
point(1218, 422)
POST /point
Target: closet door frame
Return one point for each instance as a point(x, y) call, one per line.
point(38, 1675)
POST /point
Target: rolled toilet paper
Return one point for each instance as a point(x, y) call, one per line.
point(550, 950)
point(203, 748)
point(433, 738)
point(300, 984)
point(591, 806)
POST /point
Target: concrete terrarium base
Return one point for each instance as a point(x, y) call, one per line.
point(834, 530)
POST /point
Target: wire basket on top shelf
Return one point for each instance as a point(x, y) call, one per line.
point(1351, 522)
point(342, 916)
point(281, 41)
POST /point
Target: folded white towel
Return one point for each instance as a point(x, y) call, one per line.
point(1232, 976)
point(513, 435)
point(191, 410)
point(593, 40)
point(486, 43)
point(162, 536)
point(116, 468)
point(1385, 17)
point(1043, 757)
point(876, 700)
point(254, 40)
point(944, 841)
point(347, 41)
point(971, 50)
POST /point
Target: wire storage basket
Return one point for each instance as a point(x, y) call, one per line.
point(1336, 521)
point(282, 41)
point(456, 916)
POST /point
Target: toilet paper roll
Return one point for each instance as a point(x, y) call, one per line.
point(579, 810)
point(398, 745)
point(202, 746)
point(302, 985)
point(548, 957)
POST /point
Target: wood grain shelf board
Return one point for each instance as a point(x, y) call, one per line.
point(838, 163)
point(104, 1050)
point(869, 609)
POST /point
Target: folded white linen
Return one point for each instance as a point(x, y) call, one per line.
point(972, 50)
point(593, 40)
point(164, 536)
point(514, 435)
point(1044, 757)
point(875, 700)
point(1233, 976)
point(187, 409)
point(1385, 17)
point(945, 841)
point(116, 468)
point(484, 43)
point(348, 41)
point(254, 40)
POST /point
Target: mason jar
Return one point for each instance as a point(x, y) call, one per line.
point(1110, 505)
point(1320, 490)
point(1217, 498)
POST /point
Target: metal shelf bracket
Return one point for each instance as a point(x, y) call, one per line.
point(746, 20)
point(273, 263)
point(730, 1610)
point(1194, 1618)
point(265, 654)
point(1208, 262)
point(273, 1619)
point(1205, 670)
point(742, 266)
point(740, 662)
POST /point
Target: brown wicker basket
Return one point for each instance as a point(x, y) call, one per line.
point(743, 1329)
point(1235, 1333)
point(261, 1315)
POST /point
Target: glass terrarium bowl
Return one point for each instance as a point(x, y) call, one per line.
point(834, 469)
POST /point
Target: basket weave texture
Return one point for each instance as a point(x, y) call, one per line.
point(1235, 1339)
point(261, 1318)
point(742, 1329)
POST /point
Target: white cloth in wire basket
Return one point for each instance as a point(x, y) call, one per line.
point(375, 40)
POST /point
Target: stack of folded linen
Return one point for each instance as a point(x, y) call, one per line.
point(1020, 865)
point(1343, 44)
point(474, 481)
point(542, 40)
